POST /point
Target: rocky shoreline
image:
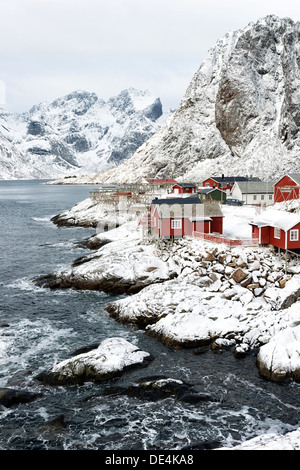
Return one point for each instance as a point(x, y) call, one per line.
point(191, 294)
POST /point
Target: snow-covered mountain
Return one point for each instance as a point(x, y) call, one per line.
point(76, 134)
point(240, 114)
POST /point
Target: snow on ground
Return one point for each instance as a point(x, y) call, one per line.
point(236, 220)
point(289, 441)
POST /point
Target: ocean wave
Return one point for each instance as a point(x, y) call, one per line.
point(42, 219)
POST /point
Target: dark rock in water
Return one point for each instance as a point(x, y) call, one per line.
point(203, 445)
point(159, 387)
point(84, 349)
point(61, 221)
point(56, 425)
point(51, 281)
point(194, 398)
point(92, 243)
point(112, 285)
point(10, 397)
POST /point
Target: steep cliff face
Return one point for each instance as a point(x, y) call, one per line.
point(239, 115)
point(76, 134)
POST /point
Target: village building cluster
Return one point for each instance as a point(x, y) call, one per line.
point(191, 210)
point(181, 209)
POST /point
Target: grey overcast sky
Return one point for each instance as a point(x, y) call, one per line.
point(49, 48)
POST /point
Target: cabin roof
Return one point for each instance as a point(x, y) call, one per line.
point(276, 218)
point(256, 187)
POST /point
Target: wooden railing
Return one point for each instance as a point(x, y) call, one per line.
point(213, 237)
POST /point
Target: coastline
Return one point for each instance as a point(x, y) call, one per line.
point(192, 295)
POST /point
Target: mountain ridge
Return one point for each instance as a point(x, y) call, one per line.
point(239, 114)
point(77, 133)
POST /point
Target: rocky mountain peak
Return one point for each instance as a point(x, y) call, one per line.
point(240, 111)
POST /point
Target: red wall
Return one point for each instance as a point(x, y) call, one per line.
point(217, 224)
point(267, 237)
point(264, 237)
point(202, 227)
point(288, 195)
point(184, 190)
point(214, 184)
point(294, 244)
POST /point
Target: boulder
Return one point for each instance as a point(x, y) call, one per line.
point(160, 387)
point(112, 358)
point(10, 397)
point(279, 359)
point(238, 275)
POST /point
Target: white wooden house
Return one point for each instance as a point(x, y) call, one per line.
point(254, 192)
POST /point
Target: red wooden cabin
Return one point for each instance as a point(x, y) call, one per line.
point(179, 217)
point(224, 182)
point(184, 188)
point(277, 228)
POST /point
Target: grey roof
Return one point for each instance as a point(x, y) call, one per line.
point(186, 185)
point(229, 179)
point(177, 200)
point(295, 177)
point(209, 190)
point(187, 207)
point(256, 187)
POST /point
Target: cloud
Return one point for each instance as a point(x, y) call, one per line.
point(51, 47)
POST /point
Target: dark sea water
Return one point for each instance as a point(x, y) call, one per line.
point(39, 327)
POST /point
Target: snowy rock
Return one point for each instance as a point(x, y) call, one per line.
point(272, 441)
point(280, 358)
point(112, 358)
point(282, 298)
point(121, 266)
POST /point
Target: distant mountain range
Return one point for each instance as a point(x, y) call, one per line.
point(76, 134)
point(240, 114)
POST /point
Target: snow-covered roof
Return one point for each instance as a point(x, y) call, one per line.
point(186, 207)
point(277, 218)
point(256, 187)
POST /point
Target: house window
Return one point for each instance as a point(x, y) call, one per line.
point(270, 197)
point(277, 232)
point(294, 235)
point(254, 197)
point(262, 197)
point(176, 223)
